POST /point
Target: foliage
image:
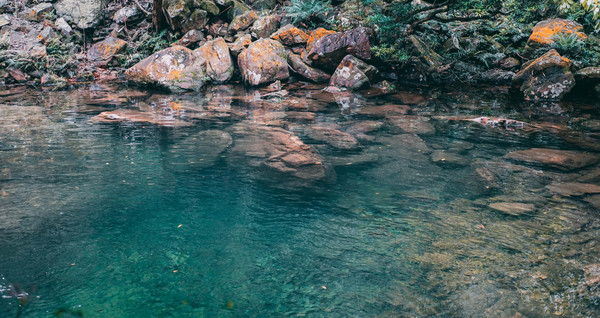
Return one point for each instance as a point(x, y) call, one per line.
point(583, 53)
point(579, 8)
point(304, 10)
point(146, 46)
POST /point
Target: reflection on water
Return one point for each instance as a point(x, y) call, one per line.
point(117, 202)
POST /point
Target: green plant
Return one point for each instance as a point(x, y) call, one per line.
point(575, 7)
point(566, 43)
point(300, 10)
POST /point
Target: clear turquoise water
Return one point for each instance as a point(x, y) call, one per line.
point(108, 220)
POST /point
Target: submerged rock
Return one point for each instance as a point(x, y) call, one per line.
point(333, 137)
point(559, 159)
point(219, 66)
point(176, 68)
point(413, 124)
point(513, 208)
point(202, 150)
point(276, 150)
point(136, 116)
point(263, 62)
point(546, 78)
point(449, 159)
point(573, 188)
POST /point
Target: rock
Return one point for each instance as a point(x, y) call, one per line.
point(306, 71)
point(63, 26)
point(176, 68)
point(328, 51)
point(546, 78)
point(265, 26)
point(187, 15)
point(242, 21)
point(202, 150)
point(219, 66)
point(573, 188)
point(127, 14)
point(36, 13)
point(509, 63)
point(263, 5)
point(136, 116)
point(362, 158)
point(588, 73)
point(365, 127)
point(333, 137)
point(594, 200)
point(4, 20)
point(564, 160)
point(513, 208)
point(83, 13)
point(425, 53)
point(240, 44)
point(190, 38)
point(18, 75)
point(353, 73)
point(316, 35)
point(409, 98)
point(277, 151)
point(290, 35)
point(236, 8)
point(384, 111)
point(592, 275)
point(544, 32)
point(102, 52)
point(413, 124)
point(449, 159)
point(264, 61)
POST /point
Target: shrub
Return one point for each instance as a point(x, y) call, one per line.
point(305, 10)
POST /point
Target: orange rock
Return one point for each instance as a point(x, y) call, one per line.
point(219, 66)
point(264, 61)
point(315, 35)
point(102, 52)
point(544, 31)
point(242, 22)
point(176, 68)
point(290, 35)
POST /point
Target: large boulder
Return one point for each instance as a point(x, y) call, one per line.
point(176, 68)
point(315, 35)
point(83, 13)
point(546, 78)
point(219, 66)
point(264, 61)
point(312, 74)
point(102, 52)
point(329, 50)
point(544, 32)
point(353, 73)
point(265, 26)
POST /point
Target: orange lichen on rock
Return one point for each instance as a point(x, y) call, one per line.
point(290, 35)
point(315, 35)
point(544, 32)
point(102, 52)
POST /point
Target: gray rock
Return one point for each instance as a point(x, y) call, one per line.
point(265, 26)
point(63, 26)
point(126, 14)
point(83, 13)
point(353, 73)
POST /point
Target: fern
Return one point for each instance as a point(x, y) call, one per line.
point(300, 10)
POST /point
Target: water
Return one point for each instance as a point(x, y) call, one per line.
point(141, 220)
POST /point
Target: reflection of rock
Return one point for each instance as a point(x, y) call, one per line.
point(559, 159)
point(277, 151)
point(333, 137)
point(413, 124)
point(384, 111)
point(201, 150)
point(573, 188)
point(512, 208)
point(135, 116)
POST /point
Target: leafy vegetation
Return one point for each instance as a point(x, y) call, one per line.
point(303, 11)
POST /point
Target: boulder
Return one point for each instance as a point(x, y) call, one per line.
point(240, 44)
point(36, 13)
point(546, 78)
point(176, 68)
point(236, 8)
point(565, 160)
point(265, 26)
point(186, 15)
point(316, 35)
point(102, 52)
point(543, 33)
point(333, 137)
point(83, 13)
point(263, 5)
point(328, 51)
point(275, 150)
point(290, 35)
point(242, 21)
point(263, 62)
point(312, 74)
point(353, 73)
point(219, 66)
